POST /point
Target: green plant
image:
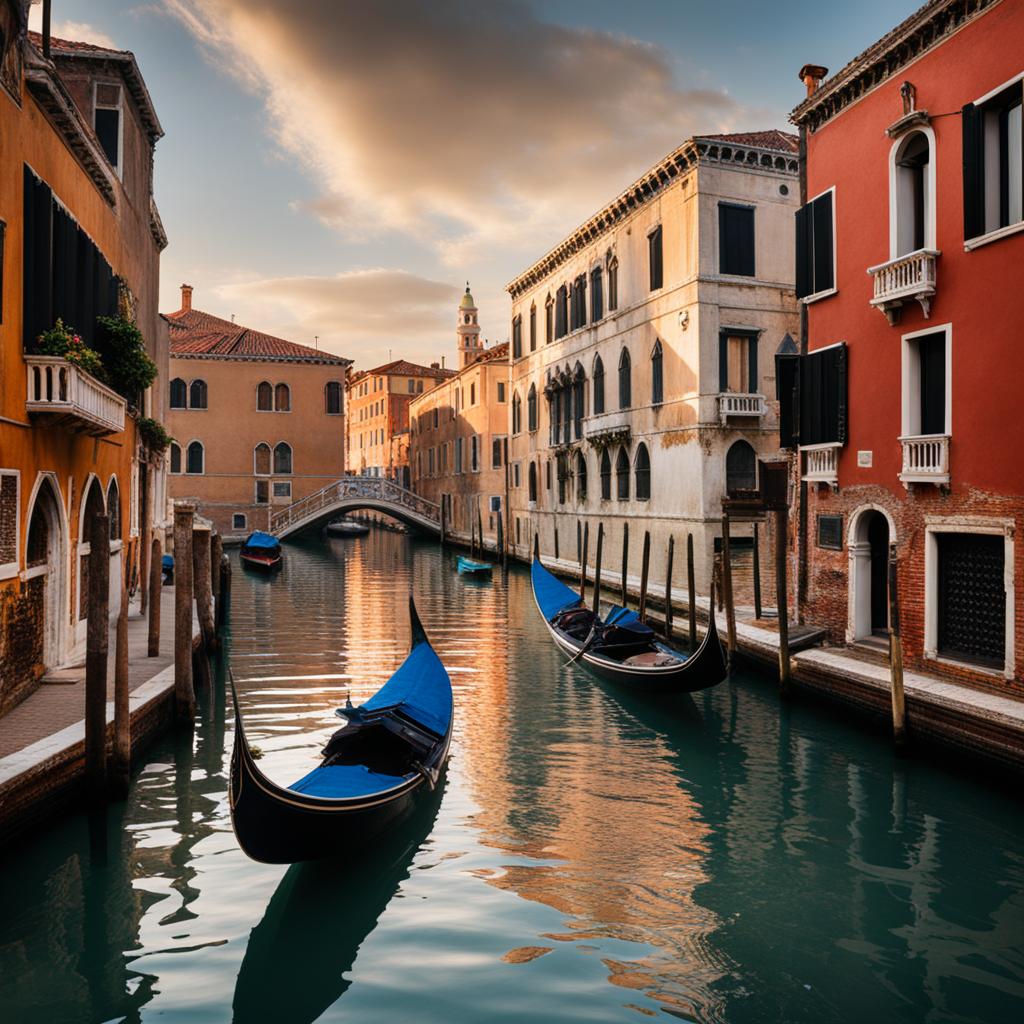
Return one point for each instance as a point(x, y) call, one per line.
point(61, 340)
point(153, 435)
point(129, 369)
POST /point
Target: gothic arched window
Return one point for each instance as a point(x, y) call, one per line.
point(197, 394)
point(625, 380)
point(598, 404)
point(282, 457)
point(606, 476)
point(642, 468)
point(622, 475)
point(657, 375)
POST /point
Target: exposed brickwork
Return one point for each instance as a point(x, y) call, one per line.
point(21, 640)
point(8, 518)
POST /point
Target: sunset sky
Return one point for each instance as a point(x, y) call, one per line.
point(340, 169)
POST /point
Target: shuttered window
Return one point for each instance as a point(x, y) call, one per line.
point(815, 263)
point(654, 258)
point(736, 239)
point(812, 397)
point(517, 337)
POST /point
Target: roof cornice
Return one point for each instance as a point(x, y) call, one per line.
point(220, 357)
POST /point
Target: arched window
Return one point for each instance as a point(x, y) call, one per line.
point(472, 393)
point(517, 413)
point(261, 459)
point(578, 384)
point(561, 312)
point(911, 189)
point(194, 458)
point(580, 469)
point(197, 394)
point(606, 475)
point(642, 468)
point(332, 397)
point(175, 450)
point(613, 281)
point(114, 509)
point(549, 320)
point(517, 337)
point(282, 398)
point(531, 408)
point(598, 404)
point(622, 475)
point(37, 547)
point(532, 481)
point(657, 376)
point(740, 468)
point(264, 396)
point(282, 457)
point(596, 295)
point(533, 328)
point(625, 381)
point(179, 394)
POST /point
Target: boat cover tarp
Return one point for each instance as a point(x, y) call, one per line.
point(621, 616)
point(473, 566)
point(258, 539)
point(420, 689)
point(552, 594)
point(338, 780)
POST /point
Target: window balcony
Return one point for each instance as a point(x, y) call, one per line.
point(821, 464)
point(69, 397)
point(731, 404)
point(905, 279)
point(925, 459)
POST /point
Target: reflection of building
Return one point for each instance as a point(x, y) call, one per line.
point(909, 264)
point(458, 433)
point(257, 421)
point(378, 410)
point(80, 238)
point(643, 350)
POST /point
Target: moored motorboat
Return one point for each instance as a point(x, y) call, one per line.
point(347, 528)
point(392, 750)
point(471, 567)
point(261, 551)
point(620, 647)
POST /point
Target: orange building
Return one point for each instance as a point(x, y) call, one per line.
point(258, 421)
point(80, 238)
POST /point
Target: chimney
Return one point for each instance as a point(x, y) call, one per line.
point(811, 75)
point(186, 297)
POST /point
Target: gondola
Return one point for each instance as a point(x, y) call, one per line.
point(471, 567)
point(347, 528)
point(620, 647)
point(261, 551)
point(391, 750)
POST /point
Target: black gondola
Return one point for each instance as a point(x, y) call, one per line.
point(374, 768)
point(620, 647)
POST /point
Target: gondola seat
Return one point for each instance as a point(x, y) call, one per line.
point(345, 780)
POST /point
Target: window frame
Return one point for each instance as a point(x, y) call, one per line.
point(821, 293)
point(726, 205)
point(235, 525)
point(655, 259)
point(204, 391)
point(117, 165)
point(327, 400)
point(657, 374)
point(625, 392)
point(170, 394)
point(187, 461)
point(895, 203)
point(645, 471)
point(910, 382)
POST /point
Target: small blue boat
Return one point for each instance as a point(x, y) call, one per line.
point(470, 567)
point(167, 569)
point(261, 551)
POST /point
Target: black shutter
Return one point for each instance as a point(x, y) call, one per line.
point(752, 377)
point(974, 171)
point(932, 358)
point(824, 272)
point(38, 242)
point(727, 244)
point(822, 402)
point(787, 374)
point(804, 248)
point(723, 361)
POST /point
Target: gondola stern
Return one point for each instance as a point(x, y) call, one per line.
point(419, 634)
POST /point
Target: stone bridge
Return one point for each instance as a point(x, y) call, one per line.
point(350, 494)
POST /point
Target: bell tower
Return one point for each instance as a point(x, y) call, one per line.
point(468, 330)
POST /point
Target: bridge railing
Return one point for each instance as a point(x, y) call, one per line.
point(372, 487)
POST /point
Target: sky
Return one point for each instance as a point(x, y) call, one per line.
point(338, 170)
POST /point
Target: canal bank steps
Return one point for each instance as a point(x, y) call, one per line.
point(42, 740)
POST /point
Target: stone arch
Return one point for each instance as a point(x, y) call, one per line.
point(870, 532)
point(46, 561)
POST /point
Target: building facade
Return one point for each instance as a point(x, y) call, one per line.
point(905, 410)
point(80, 239)
point(377, 422)
point(458, 434)
point(258, 421)
point(642, 369)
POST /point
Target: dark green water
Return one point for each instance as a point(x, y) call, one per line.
point(595, 857)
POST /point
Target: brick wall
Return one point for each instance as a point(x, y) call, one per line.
point(21, 641)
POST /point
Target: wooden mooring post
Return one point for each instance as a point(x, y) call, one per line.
point(501, 540)
point(156, 579)
point(782, 599)
point(556, 543)
point(730, 608)
point(184, 692)
point(202, 582)
point(122, 760)
point(899, 709)
point(583, 562)
point(479, 528)
point(668, 587)
point(96, 644)
point(579, 542)
point(625, 560)
point(597, 568)
point(757, 574)
point(645, 565)
point(444, 506)
point(691, 592)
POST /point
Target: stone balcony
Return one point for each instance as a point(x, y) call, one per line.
point(69, 397)
point(821, 463)
point(734, 405)
point(925, 460)
point(908, 278)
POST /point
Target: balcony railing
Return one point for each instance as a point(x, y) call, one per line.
point(70, 397)
point(925, 459)
point(731, 404)
point(907, 278)
point(821, 464)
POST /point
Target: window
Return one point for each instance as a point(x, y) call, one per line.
point(332, 397)
point(654, 260)
point(532, 481)
point(410, 386)
point(561, 312)
point(993, 163)
point(10, 481)
point(596, 295)
point(622, 475)
point(911, 196)
point(458, 455)
point(501, 391)
point(740, 468)
point(517, 413)
point(613, 282)
point(517, 337)
point(547, 474)
point(642, 468)
point(282, 398)
point(737, 361)
point(533, 328)
point(972, 597)
point(474, 453)
point(472, 393)
point(238, 521)
point(598, 404)
point(262, 492)
point(562, 469)
point(815, 250)
point(282, 457)
point(107, 121)
point(430, 462)
point(496, 452)
point(179, 394)
point(657, 375)
point(419, 387)
point(175, 457)
point(194, 458)
point(579, 302)
point(811, 390)
point(926, 383)
point(549, 320)
point(625, 380)
point(515, 474)
point(579, 382)
point(282, 488)
point(606, 476)
point(580, 469)
point(197, 394)
point(531, 408)
point(114, 509)
point(736, 239)
point(261, 459)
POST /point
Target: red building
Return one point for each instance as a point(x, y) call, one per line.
point(905, 403)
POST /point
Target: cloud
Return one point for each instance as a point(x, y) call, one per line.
point(473, 127)
point(78, 31)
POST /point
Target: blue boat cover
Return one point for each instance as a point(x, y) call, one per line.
point(473, 566)
point(420, 689)
point(338, 780)
point(167, 562)
point(621, 616)
point(259, 539)
point(551, 593)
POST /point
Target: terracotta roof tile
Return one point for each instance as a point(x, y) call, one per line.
point(772, 139)
point(403, 368)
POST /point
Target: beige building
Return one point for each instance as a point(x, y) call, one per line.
point(458, 432)
point(258, 421)
point(643, 372)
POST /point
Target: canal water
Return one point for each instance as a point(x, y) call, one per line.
point(593, 856)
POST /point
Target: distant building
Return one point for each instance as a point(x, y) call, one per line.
point(378, 413)
point(643, 345)
point(258, 421)
point(458, 432)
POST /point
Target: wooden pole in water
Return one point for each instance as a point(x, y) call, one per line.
point(536, 546)
point(625, 559)
point(202, 585)
point(597, 568)
point(444, 505)
point(579, 542)
point(668, 587)
point(899, 710)
point(757, 574)
point(479, 527)
point(501, 540)
point(156, 579)
point(730, 608)
point(556, 542)
point(96, 644)
point(583, 562)
point(146, 483)
point(121, 767)
point(782, 599)
point(691, 596)
point(506, 527)
point(216, 557)
point(184, 692)
point(645, 565)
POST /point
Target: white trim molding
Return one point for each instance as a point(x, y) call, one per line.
point(895, 202)
point(935, 468)
point(858, 613)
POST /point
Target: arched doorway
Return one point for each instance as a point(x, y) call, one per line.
point(45, 561)
point(93, 505)
point(870, 537)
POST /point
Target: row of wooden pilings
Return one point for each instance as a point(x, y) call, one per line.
point(201, 573)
